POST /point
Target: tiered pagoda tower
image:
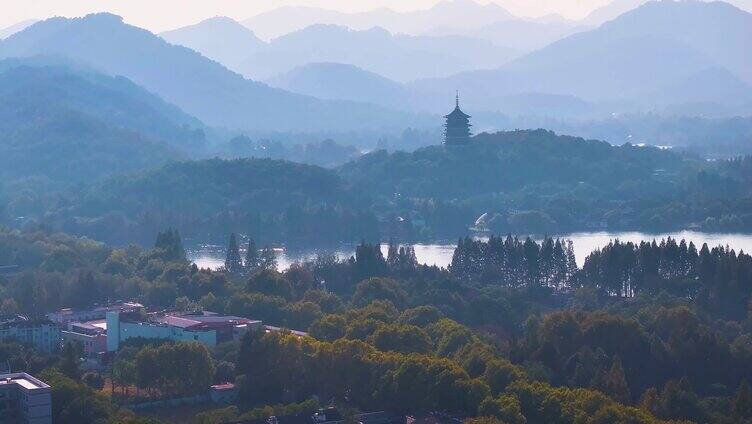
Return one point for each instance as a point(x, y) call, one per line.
point(457, 126)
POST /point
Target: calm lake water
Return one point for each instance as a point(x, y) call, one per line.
point(213, 256)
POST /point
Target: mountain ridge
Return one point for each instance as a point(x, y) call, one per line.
point(621, 61)
point(199, 86)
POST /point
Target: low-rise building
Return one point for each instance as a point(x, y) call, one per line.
point(64, 316)
point(24, 400)
point(206, 327)
point(328, 415)
point(43, 335)
point(91, 336)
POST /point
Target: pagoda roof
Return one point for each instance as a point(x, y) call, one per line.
point(457, 113)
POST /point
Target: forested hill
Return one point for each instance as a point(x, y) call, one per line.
point(508, 161)
point(192, 82)
point(71, 125)
point(537, 181)
point(272, 199)
point(520, 182)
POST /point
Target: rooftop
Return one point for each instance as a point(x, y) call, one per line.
point(88, 327)
point(222, 387)
point(271, 328)
point(199, 319)
point(24, 380)
point(11, 320)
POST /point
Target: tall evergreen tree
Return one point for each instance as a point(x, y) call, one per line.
point(252, 259)
point(369, 261)
point(615, 383)
point(170, 242)
point(233, 262)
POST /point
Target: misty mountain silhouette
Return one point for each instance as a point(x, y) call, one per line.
point(463, 14)
point(520, 34)
point(345, 82)
point(197, 85)
point(73, 125)
point(396, 56)
point(219, 38)
point(12, 29)
point(625, 59)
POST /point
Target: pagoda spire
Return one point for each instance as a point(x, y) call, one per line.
point(457, 125)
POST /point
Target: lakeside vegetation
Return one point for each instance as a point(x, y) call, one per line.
point(513, 329)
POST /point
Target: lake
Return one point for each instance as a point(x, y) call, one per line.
point(213, 256)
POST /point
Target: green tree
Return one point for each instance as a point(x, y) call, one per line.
point(170, 244)
point(500, 373)
point(328, 328)
point(401, 338)
point(268, 259)
point(743, 401)
point(233, 262)
point(69, 362)
point(379, 289)
point(615, 383)
point(269, 282)
point(252, 259)
point(506, 408)
point(73, 402)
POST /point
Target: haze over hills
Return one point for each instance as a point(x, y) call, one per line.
point(625, 59)
point(344, 82)
point(399, 57)
point(461, 14)
point(20, 26)
point(621, 66)
point(395, 56)
point(611, 11)
point(347, 82)
point(520, 34)
point(219, 38)
point(194, 83)
point(74, 126)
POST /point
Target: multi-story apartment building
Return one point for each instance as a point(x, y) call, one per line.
point(41, 334)
point(24, 400)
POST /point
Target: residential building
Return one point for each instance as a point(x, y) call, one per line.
point(43, 335)
point(24, 400)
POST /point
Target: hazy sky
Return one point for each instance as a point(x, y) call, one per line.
point(159, 15)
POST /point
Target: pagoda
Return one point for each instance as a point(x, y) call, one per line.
point(457, 126)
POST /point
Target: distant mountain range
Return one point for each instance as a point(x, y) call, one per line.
point(667, 57)
point(344, 82)
point(520, 34)
point(635, 61)
point(71, 125)
point(199, 86)
point(461, 14)
point(20, 26)
point(625, 60)
point(611, 11)
point(219, 38)
point(455, 17)
point(395, 56)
